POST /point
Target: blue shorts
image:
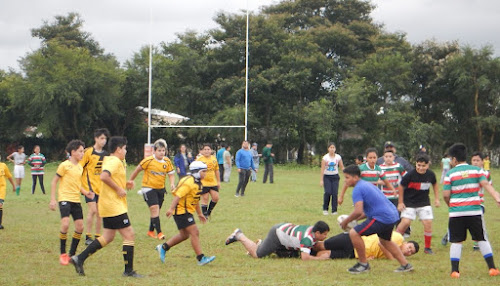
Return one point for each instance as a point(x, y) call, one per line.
point(372, 226)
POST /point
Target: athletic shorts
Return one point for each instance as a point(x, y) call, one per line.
point(116, 222)
point(71, 208)
point(18, 171)
point(458, 227)
point(94, 200)
point(424, 213)
point(208, 189)
point(184, 220)
point(154, 196)
point(371, 226)
point(271, 244)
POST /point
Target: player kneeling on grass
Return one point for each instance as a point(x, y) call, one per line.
point(69, 173)
point(381, 215)
point(113, 209)
point(284, 237)
point(185, 203)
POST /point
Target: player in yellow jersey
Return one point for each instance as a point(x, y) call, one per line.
point(69, 173)
point(156, 167)
point(91, 181)
point(211, 183)
point(113, 209)
point(4, 173)
point(185, 203)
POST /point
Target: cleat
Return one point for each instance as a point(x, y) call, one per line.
point(325, 212)
point(404, 268)
point(455, 275)
point(161, 236)
point(151, 234)
point(161, 252)
point(89, 241)
point(358, 268)
point(493, 272)
point(205, 260)
point(232, 238)
point(78, 265)
point(64, 259)
point(1, 226)
point(444, 240)
point(428, 251)
point(132, 274)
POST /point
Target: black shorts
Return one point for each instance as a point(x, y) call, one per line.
point(154, 197)
point(206, 190)
point(94, 200)
point(116, 222)
point(371, 226)
point(71, 208)
point(184, 220)
point(458, 227)
point(340, 246)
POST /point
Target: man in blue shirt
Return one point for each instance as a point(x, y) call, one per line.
point(245, 165)
point(380, 215)
point(220, 160)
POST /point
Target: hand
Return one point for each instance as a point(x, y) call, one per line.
point(121, 193)
point(401, 207)
point(169, 212)
point(172, 186)
point(202, 218)
point(13, 189)
point(321, 183)
point(52, 205)
point(239, 170)
point(130, 185)
point(340, 201)
point(437, 204)
point(343, 224)
point(90, 195)
point(218, 186)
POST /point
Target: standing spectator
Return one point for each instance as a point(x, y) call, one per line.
point(182, 161)
point(390, 146)
point(330, 165)
point(244, 163)
point(228, 164)
point(445, 166)
point(37, 161)
point(268, 157)
point(487, 163)
point(220, 160)
point(19, 159)
point(256, 161)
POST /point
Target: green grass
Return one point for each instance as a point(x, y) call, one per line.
point(29, 246)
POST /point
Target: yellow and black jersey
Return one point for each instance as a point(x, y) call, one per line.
point(70, 182)
point(188, 190)
point(110, 204)
point(92, 168)
point(156, 171)
point(210, 179)
point(4, 174)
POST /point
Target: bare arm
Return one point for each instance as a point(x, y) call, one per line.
point(217, 176)
point(135, 173)
point(446, 197)
point(53, 190)
point(340, 199)
point(341, 165)
point(435, 187)
point(485, 184)
point(13, 185)
point(171, 178)
point(306, 256)
point(401, 204)
point(355, 215)
point(10, 158)
point(323, 165)
point(174, 203)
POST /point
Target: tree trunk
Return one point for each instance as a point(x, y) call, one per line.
point(476, 111)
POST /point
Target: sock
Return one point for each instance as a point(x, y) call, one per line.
point(199, 257)
point(128, 255)
point(74, 243)
point(1, 214)
point(18, 189)
point(487, 252)
point(455, 254)
point(165, 246)
point(97, 235)
point(156, 223)
point(88, 235)
point(92, 248)
point(62, 239)
point(428, 238)
point(151, 225)
point(204, 210)
point(364, 264)
point(211, 206)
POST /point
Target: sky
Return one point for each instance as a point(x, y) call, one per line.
point(122, 27)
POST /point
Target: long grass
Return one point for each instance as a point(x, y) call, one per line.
point(29, 245)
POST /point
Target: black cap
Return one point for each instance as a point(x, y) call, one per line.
point(388, 143)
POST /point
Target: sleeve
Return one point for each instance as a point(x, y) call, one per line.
point(8, 175)
point(44, 161)
point(110, 166)
point(405, 180)
point(144, 163)
point(183, 189)
point(305, 245)
point(447, 182)
point(30, 160)
point(357, 195)
point(237, 160)
point(381, 173)
point(170, 167)
point(61, 170)
point(433, 178)
point(86, 158)
point(176, 160)
point(216, 163)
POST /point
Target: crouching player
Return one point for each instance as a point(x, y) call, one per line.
point(185, 203)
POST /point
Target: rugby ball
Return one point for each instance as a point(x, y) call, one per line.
point(350, 225)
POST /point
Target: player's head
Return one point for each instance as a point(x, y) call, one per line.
point(487, 157)
point(118, 146)
point(101, 136)
point(331, 148)
point(20, 149)
point(75, 149)
point(351, 175)
point(198, 170)
point(223, 145)
point(36, 149)
point(409, 248)
point(245, 144)
point(359, 159)
point(477, 159)
point(389, 157)
point(206, 150)
point(160, 148)
point(269, 144)
point(371, 156)
point(254, 145)
point(458, 154)
point(182, 148)
point(422, 164)
point(320, 230)
point(228, 148)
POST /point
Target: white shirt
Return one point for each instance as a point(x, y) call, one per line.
point(332, 164)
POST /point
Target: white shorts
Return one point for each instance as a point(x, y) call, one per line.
point(424, 213)
point(18, 172)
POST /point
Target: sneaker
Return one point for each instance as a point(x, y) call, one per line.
point(88, 241)
point(78, 265)
point(334, 213)
point(428, 251)
point(455, 274)
point(406, 235)
point(232, 238)
point(1, 226)
point(236, 195)
point(444, 240)
point(64, 259)
point(161, 236)
point(161, 252)
point(151, 234)
point(358, 268)
point(493, 272)
point(205, 260)
point(404, 268)
point(325, 212)
point(132, 274)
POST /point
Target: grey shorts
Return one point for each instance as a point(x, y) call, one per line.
point(270, 244)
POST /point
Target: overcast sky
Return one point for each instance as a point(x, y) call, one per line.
point(123, 26)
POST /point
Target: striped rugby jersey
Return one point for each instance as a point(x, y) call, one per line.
point(481, 192)
point(37, 161)
point(371, 175)
point(463, 182)
point(298, 237)
point(393, 173)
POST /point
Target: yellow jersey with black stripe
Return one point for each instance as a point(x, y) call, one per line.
point(110, 204)
point(92, 168)
point(212, 166)
point(4, 173)
point(188, 190)
point(155, 171)
point(70, 182)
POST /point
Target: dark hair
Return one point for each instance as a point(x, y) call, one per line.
point(360, 158)
point(352, 170)
point(160, 143)
point(19, 147)
point(480, 154)
point(101, 131)
point(423, 158)
point(388, 151)
point(459, 151)
point(330, 144)
point(206, 145)
point(369, 150)
point(35, 147)
point(116, 142)
point(320, 226)
point(417, 247)
point(223, 145)
point(74, 145)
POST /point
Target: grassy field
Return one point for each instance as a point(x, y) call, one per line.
point(29, 245)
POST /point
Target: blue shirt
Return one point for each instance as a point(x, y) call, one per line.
point(220, 156)
point(375, 204)
point(244, 159)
